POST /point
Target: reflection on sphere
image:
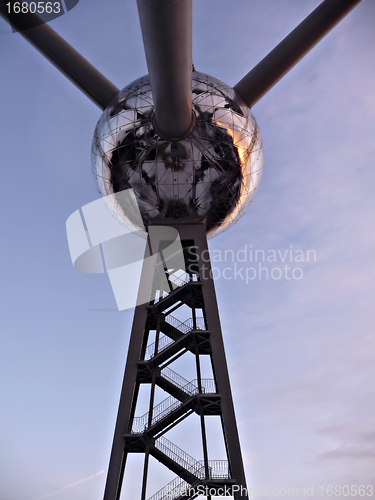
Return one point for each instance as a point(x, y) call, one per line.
point(210, 176)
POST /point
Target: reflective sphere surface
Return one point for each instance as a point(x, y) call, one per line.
point(210, 176)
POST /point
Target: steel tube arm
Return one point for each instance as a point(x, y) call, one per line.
point(167, 36)
point(292, 49)
point(63, 56)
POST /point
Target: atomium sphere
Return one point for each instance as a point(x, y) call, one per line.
point(208, 177)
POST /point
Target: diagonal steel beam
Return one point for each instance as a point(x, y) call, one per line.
point(63, 56)
point(292, 49)
point(167, 36)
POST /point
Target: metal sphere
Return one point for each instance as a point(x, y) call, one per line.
point(210, 176)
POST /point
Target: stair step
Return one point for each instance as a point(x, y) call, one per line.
point(172, 389)
point(171, 349)
point(171, 299)
point(171, 331)
point(171, 417)
point(182, 472)
point(183, 293)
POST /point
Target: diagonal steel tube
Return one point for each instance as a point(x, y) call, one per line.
point(167, 36)
point(292, 49)
point(63, 56)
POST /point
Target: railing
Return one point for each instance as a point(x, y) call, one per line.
point(165, 341)
point(140, 424)
point(217, 469)
point(178, 381)
point(182, 279)
point(176, 323)
point(200, 324)
point(208, 385)
point(167, 406)
point(178, 281)
point(172, 490)
point(178, 455)
point(187, 325)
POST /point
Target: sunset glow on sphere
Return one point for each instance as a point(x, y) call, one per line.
point(208, 177)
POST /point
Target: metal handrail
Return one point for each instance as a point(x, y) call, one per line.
point(168, 405)
point(208, 385)
point(218, 469)
point(179, 325)
point(179, 381)
point(164, 342)
point(177, 454)
point(187, 325)
point(200, 323)
point(171, 490)
point(178, 281)
point(174, 280)
point(140, 424)
point(183, 326)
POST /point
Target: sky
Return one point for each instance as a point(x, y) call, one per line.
point(300, 351)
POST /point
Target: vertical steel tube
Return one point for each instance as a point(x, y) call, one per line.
point(167, 36)
point(129, 394)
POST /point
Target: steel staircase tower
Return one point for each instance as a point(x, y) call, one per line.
point(148, 363)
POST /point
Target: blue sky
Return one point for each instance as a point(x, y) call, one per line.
point(300, 352)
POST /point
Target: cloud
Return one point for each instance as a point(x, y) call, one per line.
point(347, 452)
point(355, 444)
point(69, 486)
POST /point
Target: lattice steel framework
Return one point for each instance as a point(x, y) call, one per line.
point(148, 363)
